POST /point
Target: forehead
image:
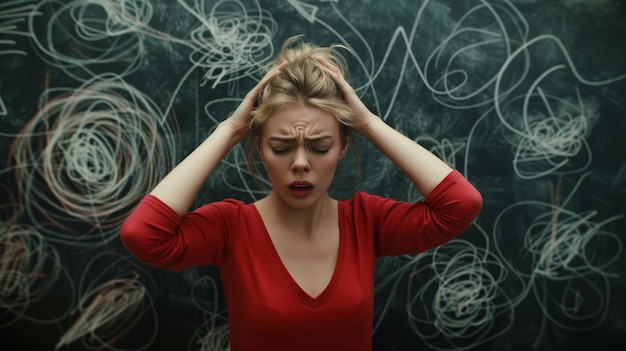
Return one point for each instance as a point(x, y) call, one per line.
point(296, 119)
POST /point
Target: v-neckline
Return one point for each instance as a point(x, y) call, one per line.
point(288, 279)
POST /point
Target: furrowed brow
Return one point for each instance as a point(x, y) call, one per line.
point(282, 139)
point(319, 138)
point(291, 139)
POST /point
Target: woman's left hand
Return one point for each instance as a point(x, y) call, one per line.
point(363, 115)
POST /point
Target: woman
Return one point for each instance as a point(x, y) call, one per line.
point(298, 266)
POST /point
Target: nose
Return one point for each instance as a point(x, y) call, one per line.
point(300, 161)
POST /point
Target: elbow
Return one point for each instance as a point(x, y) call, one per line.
point(466, 210)
point(149, 234)
point(470, 207)
point(474, 204)
point(137, 239)
point(130, 235)
point(156, 250)
point(453, 216)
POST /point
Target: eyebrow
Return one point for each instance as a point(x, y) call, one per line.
point(291, 139)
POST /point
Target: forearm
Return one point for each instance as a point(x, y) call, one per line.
point(425, 169)
point(180, 187)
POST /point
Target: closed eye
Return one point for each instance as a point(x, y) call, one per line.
point(319, 147)
point(320, 150)
point(280, 151)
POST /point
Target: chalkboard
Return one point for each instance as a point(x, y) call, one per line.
point(527, 98)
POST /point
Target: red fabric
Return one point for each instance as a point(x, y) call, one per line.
point(267, 309)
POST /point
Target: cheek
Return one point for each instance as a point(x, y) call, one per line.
point(329, 164)
point(271, 162)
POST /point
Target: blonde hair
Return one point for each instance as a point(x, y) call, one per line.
point(302, 81)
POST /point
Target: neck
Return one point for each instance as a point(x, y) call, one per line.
point(301, 220)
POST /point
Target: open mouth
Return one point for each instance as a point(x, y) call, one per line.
point(300, 189)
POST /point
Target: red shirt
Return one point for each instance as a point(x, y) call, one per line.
point(267, 309)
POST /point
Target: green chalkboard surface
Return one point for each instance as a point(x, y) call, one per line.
point(527, 98)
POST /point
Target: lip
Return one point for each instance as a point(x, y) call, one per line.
point(300, 188)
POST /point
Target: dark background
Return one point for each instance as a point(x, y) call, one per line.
point(99, 99)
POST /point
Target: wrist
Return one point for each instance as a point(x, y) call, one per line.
point(368, 126)
point(235, 133)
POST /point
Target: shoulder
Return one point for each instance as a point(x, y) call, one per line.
point(227, 204)
point(229, 218)
point(367, 203)
point(226, 208)
point(362, 197)
point(357, 199)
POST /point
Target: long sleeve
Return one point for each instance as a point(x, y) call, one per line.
point(156, 235)
point(405, 228)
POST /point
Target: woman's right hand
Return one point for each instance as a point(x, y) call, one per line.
point(181, 185)
point(238, 121)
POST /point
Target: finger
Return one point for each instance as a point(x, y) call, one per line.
point(338, 77)
point(334, 72)
point(328, 66)
point(271, 74)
